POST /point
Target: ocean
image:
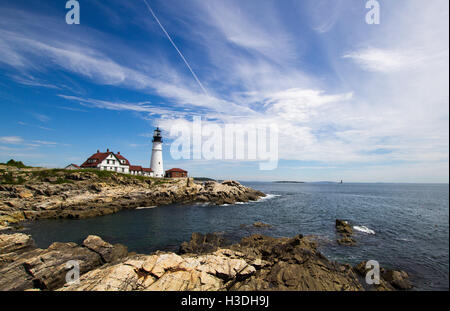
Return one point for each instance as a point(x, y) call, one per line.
point(402, 226)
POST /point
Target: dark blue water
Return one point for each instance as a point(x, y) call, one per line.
point(411, 224)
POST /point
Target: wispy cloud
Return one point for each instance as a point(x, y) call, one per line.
point(11, 140)
point(19, 141)
point(388, 61)
point(41, 117)
point(35, 126)
point(261, 62)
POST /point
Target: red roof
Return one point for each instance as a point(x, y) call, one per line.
point(135, 168)
point(97, 157)
point(176, 170)
point(120, 157)
point(147, 169)
point(100, 156)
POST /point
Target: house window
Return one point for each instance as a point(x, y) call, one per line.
point(123, 170)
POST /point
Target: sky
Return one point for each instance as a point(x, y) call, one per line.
point(351, 101)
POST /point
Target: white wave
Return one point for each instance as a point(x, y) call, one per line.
point(268, 197)
point(145, 207)
point(364, 229)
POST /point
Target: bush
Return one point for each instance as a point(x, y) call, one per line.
point(18, 164)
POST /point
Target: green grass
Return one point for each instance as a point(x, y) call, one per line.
point(61, 175)
point(62, 180)
point(9, 179)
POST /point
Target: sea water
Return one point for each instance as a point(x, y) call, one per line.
point(402, 226)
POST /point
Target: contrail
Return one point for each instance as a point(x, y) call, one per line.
point(176, 48)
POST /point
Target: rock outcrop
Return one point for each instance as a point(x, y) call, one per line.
point(82, 194)
point(389, 279)
point(256, 263)
point(260, 224)
point(23, 266)
point(202, 243)
point(345, 231)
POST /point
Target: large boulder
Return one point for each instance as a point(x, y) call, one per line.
point(27, 267)
point(168, 272)
point(398, 279)
point(343, 227)
point(292, 264)
point(17, 243)
point(108, 253)
point(346, 241)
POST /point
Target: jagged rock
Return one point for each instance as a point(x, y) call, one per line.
point(345, 231)
point(343, 227)
point(87, 195)
point(23, 266)
point(398, 279)
point(158, 264)
point(292, 264)
point(17, 243)
point(361, 268)
point(120, 277)
point(259, 224)
point(96, 187)
point(109, 253)
point(48, 269)
point(231, 183)
point(256, 263)
point(25, 195)
point(346, 241)
point(51, 179)
point(202, 243)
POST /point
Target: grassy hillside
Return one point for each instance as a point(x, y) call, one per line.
point(60, 176)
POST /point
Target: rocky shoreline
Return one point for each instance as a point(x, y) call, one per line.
point(37, 194)
point(204, 263)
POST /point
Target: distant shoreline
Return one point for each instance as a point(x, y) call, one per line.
point(289, 182)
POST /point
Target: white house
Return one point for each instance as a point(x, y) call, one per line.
point(72, 167)
point(114, 162)
point(141, 171)
point(107, 161)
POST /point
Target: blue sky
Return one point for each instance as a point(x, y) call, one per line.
point(352, 101)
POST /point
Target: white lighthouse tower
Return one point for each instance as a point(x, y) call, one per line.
point(156, 163)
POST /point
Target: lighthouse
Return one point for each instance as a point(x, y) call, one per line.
point(156, 163)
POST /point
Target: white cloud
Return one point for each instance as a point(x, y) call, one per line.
point(11, 140)
point(388, 61)
point(41, 117)
point(257, 68)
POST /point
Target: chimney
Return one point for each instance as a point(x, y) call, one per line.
point(98, 151)
point(118, 152)
point(107, 150)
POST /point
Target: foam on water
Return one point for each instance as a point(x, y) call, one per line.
point(364, 229)
point(268, 197)
point(145, 207)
